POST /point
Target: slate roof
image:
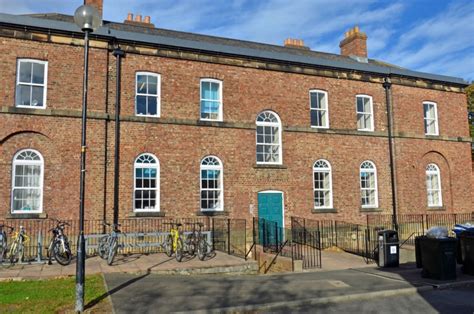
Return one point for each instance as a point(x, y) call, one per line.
point(219, 45)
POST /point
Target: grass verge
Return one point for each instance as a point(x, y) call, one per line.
point(48, 296)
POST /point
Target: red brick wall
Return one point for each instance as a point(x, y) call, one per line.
point(180, 148)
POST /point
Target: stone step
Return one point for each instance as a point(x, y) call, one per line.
point(246, 268)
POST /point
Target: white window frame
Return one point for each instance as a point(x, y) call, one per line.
point(375, 188)
point(436, 172)
point(41, 181)
point(221, 102)
point(315, 91)
point(44, 85)
point(271, 124)
point(372, 127)
point(324, 170)
point(435, 119)
point(158, 94)
point(157, 188)
point(220, 168)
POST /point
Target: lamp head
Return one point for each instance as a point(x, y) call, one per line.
point(87, 18)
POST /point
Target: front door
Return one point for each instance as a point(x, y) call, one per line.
point(270, 214)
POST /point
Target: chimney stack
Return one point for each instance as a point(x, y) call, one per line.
point(98, 4)
point(354, 43)
point(295, 43)
point(129, 17)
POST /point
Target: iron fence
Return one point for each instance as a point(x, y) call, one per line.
point(138, 235)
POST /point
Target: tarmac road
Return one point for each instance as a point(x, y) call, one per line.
point(347, 290)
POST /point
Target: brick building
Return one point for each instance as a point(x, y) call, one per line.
point(215, 126)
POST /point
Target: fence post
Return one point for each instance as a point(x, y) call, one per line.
point(276, 236)
point(264, 234)
point(304, 231)
point(228, 236)
point(335, 232)
point(455, 220)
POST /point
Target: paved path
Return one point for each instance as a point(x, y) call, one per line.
point(151, 293)
point(134, 264)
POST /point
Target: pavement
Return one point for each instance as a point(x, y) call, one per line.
point(148, 284)
point(159, 263)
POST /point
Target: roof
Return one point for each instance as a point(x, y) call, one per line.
point(218, 45)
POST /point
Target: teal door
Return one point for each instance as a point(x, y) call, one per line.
point(270, 215)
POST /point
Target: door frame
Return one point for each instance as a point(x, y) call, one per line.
point(282, 204)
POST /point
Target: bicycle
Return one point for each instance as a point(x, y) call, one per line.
point(197, 240)
point(4, 241)
point(59, 245)
point(108, 244)
point(17, 249)
point(174, 242)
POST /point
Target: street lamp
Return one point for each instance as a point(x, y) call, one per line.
point(88, 19)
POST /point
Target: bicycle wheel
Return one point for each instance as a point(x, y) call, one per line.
point(202, 248)
point(102, 250)
point(112, 251)
point(62, 254)
point(3, 248)
point(190, 246)
point(179, 249)
point(169, 246)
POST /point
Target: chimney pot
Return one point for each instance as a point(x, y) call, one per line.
point(138, 18)
point(130, 17)
point(147, 19)
point(294, 43)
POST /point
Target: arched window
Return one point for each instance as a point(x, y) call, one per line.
point(146, 195)
point(27, 182)
point(368, 185)
point(269, 149)
point(433, 186)
point(322, 184)
point(212, 187)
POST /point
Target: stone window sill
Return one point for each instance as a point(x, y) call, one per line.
point(437, 208)
point(212, 213)
point(323, 210)
point(261, 166)
point(146, 214)
point(27, 216)
point(370, 210)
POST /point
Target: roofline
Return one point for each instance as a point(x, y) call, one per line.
point(109, 33)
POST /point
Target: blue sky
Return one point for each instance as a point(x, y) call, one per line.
point(435, 36)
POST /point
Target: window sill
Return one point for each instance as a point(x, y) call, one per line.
point(146, 214)
point(263, 166)
point(370, 210)
point(437, 208)
point(212, 213)
point(210, 122)
point(323, 210)
point(27, 216)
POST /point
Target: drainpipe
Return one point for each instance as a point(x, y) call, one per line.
point(387, 85)
point(118, 54)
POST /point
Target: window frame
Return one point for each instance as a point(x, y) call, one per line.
point(327, 170)
point(44, 85)
point(280, 140)
point(158, 94)
point(41, 180)
point(435, 106)
point(221, 102)
point(374, 171)
point(439, 190)
point(311, 91)
point(158, 185)
point(220, 167)
point(372, 128)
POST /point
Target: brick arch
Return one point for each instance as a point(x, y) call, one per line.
point(442, 162)
point(53, 163)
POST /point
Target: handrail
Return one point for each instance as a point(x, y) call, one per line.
point(411, 235)
point(276, 255)
point(250, 250)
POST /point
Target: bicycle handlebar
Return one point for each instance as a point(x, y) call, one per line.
point(5, 226)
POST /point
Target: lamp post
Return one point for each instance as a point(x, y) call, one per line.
point(88, 19)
